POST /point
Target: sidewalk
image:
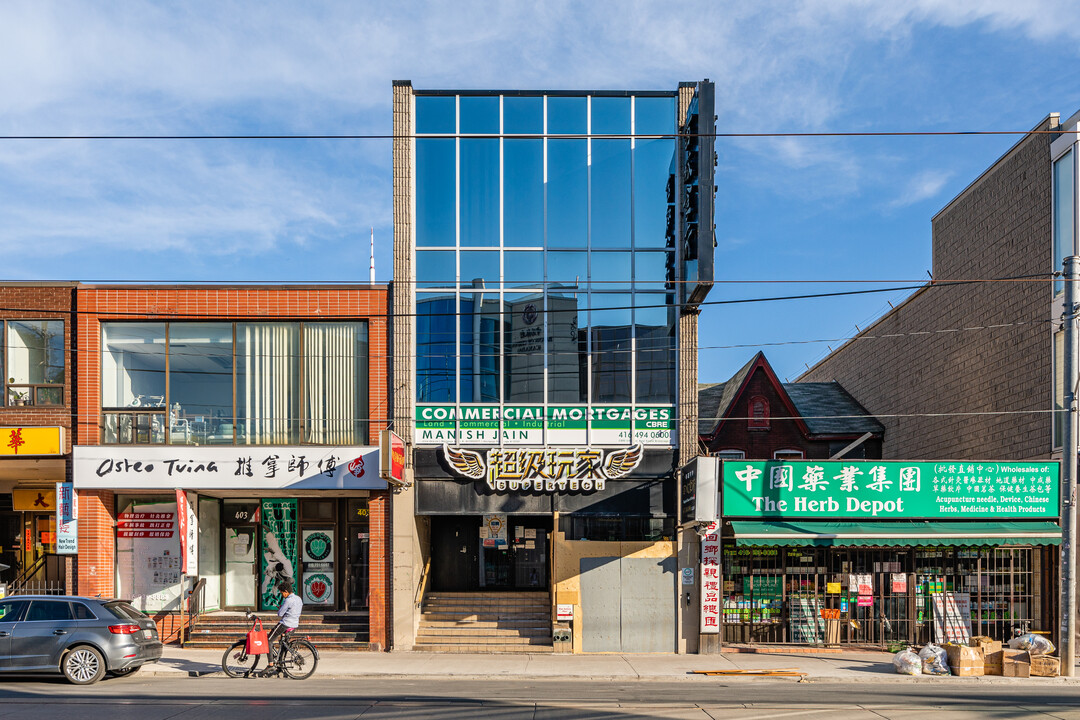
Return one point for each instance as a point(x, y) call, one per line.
point(844, 667)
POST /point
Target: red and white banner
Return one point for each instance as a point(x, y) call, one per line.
point(710, 580)
point(181, 520)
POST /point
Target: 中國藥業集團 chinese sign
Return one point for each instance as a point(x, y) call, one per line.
point(890, 489)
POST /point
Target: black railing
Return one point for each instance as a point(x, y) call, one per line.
point(45, 576)
point(196, 601)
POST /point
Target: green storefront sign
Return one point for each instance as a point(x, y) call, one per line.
point(533, 425)
point(890, 489)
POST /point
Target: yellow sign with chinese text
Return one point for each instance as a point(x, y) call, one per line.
point(33, 499)
point(832, 588)
point(31, 441)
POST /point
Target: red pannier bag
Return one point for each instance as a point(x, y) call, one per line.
point(257, 642)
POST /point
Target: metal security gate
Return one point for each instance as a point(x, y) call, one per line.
point(627, 604)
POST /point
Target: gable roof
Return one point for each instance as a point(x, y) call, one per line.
point(819, 408)
point(828, 409)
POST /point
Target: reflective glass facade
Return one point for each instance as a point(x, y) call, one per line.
point(545, 259)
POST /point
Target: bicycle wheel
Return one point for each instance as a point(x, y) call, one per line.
point(237, 663)
point(300, 659)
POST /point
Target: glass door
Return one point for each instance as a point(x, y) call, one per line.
point(241, 566)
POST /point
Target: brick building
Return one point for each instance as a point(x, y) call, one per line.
point(36, 411)
point(755, 416)
point(229, 434)
point(982, 349)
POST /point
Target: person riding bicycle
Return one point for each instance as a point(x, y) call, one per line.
point(288, 614)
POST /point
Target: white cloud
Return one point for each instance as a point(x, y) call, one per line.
point(230, 67)
point(923, 186)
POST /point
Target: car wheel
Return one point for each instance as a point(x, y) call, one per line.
point(83, 665)
point(125, 671)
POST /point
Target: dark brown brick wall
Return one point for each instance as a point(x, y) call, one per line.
point(979, 348)
point(759, 444)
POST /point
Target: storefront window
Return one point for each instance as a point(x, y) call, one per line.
point(876, 596)
point(186, 383)
point(148, 558)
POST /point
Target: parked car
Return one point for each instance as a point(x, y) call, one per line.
point(81, 637)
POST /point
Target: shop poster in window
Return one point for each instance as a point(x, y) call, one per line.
point(279, 549)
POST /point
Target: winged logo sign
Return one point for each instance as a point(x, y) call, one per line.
point(543, 469)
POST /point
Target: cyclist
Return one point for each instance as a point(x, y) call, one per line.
point(288, 616)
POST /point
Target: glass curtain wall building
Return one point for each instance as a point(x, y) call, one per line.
point(545, 260)
point(543, 241)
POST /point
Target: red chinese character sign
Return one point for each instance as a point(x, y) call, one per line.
point(710, 579)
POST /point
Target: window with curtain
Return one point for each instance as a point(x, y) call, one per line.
point(279, 383)
point(335, 383)
point(268, 383)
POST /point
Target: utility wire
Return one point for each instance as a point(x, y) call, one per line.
point(543, 136)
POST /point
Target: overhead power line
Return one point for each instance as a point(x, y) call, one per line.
point(543, 136)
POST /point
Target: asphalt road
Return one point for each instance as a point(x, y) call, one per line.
point(447, 699)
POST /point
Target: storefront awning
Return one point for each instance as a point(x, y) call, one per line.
point(825, 534)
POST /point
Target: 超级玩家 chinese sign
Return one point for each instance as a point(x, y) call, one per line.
point(890, 489)
point(543, 469)
point(241, 467)
point(648, 425)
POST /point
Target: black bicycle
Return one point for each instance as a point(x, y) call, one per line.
point(296, 657)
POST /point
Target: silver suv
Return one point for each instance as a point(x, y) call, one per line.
point(81, 637)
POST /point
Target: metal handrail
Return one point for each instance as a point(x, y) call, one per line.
point(195, 603)
point(27, 573)
point(422, 586)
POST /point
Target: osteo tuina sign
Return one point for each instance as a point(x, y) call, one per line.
point(240, 467)
point(890, 489)
point(543, 469)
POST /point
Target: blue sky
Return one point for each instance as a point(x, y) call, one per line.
point(789, 209)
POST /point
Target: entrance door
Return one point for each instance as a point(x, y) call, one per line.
point(455, 553)
point(358, 566)
point(241, 541)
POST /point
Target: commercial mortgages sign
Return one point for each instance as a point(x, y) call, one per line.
point(474, 424)
point(890, 489)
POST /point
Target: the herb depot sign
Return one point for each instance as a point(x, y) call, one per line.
point(890, 489)
point(543, 469)
point(649, 425)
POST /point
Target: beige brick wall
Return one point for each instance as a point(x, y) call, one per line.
point(998, 227)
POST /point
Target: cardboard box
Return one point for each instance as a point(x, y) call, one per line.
point(967, 670)
point(1045, 666)
point(1017, 669)
point(1008, 655)
point(993, 669)
point(988, 645)
point(964, 656)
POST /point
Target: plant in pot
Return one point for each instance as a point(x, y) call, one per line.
point(18, 397)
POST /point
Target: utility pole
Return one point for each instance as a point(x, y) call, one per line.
point(1068, 480)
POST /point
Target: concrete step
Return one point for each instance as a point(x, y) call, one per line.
point(316, 636)
point(425, 631)
point(444, 640)
point(472, 617)
point(503, 624)
point(515, 649)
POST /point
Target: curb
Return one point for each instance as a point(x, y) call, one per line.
point(860, 678)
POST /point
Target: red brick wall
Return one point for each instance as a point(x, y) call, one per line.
point(379, 559)
point(97, 544)
point(97, 304)
point(42, 302)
